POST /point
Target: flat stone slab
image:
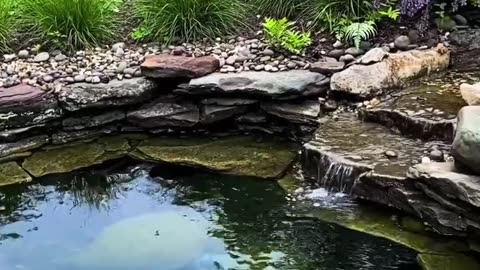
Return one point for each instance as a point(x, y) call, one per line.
point(235, 155)
point(113, 94)
point(7, 149)
point(86, 122)
point(167, 66)
point(11, 173)
point(62, 160)
point(24, 105)
point(279, 85)
point(306, 112)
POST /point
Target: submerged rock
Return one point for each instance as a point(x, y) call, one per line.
point(7, 149)
point(166, 240)
point(466, 145)
point(447, 262)
point(71, 158)
point(167, 66)
point(113, 94)
point(289, 84)
point(24, 105)
point(236, 155)
point(11, 173)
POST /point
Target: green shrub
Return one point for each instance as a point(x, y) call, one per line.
point(282, 35)
point(276, 8)
point(7, 22)
point(71, 24)
point(188, 20)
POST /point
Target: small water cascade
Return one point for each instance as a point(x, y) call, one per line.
point(330, 171)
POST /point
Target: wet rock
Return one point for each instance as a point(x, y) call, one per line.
point(11, 173)
point(436, 155)
point(373, 56)
point(178, 67)
point(301, 113)
point(414, 36)
point(327, 65)
point(402, 43)
point(113, 94)
point(165, 112)
point(252, 118)
point(429, 261)
point(366, 81)
point(470, 93)
point(466, 145)
point(71, 158)
point(23, 105)
point(41, 57)
point(354, 51)
point(229, 101)
point(234, 155)
point(330, 105)
point(466, 53)
point(347, 58)
point(336, 53)
point(391, 154)
point(62, 138)
point(216, 113)
point(280, 85)
point(85, 122)
point(23, 145)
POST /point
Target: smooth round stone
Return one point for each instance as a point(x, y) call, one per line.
point(354, 51)
point(268, 52)
point(347, 58)
point(23, 54)
point(79, 78)
point(268, 67)
point(47, 78)
point(291, 65)
point(391, 154)
point(259, 67)
point(41, 57)
point(402, 43)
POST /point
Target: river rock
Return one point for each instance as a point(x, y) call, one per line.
point(41, 57)
point(11, 173)
point(279, 85)
point(466, 145)
point(24, 105)
point(229, 101)
point(354, 51)
point(234, 155)
point(402, 43)
point(113, 94)
point(373, 56)
point(85, 122)
point(167, 66)
point(327, 65)
point(215, 113)
point(165, 112)
point(24, 145)
point(466, 52)
point(71, 158)
point(470, 93)
point(301, 113)
point(366, 81)
point(63, 137)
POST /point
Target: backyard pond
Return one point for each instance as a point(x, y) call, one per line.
point(128, 216)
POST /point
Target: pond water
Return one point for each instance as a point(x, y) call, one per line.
point(178, 219)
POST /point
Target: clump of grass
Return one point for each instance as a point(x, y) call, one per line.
point(188, 20)
point(8, 22)
point(276, 8)
point(71, 24)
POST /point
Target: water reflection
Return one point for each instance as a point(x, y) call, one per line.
point(249, 224)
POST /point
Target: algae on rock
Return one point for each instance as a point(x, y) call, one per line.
point(236, 155)
point(68, 159)
point(11, 173)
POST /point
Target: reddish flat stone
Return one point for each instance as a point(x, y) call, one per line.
point(19, 94)
point(167, 66)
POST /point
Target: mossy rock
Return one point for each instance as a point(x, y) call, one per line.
point(75, 157)
point(11, 173)
point(449, 262)
point(244, 156)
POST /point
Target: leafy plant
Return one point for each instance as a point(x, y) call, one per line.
point(357, 32)
point(282, 34)
point(71, 24)
point(189, 20)
point(7, 22)
point(276, 8)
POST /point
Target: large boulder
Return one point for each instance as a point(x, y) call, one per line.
point(279, 85)
point(113, 94)
point(24, 105)
point(365, 81)
point(470, 93)
point(166, 112)
point(466, 145)
point(166, 66)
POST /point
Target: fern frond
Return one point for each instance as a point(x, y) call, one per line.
point(357, 32)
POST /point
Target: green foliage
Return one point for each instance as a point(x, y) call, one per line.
point(71, 24)
point(276, 8)
point(7, 22)
point(188, 20)
point(282, 35)
point(357, 32)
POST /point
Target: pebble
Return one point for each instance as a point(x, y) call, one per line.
point(121, 67)
point(347, 58)
point(426, 160)
point(79, 78)
point(436, 155)
point(268, 52)
point(23, 54)
point(259, 67)
point(41, 57)
point(60, 57)
point(129, 71)
point(265, 58)
point(291, 65)
point(391, 154)
point(47, 78)
point(231, 60)
point(337, 44)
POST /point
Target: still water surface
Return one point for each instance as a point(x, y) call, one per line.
point(176, 221)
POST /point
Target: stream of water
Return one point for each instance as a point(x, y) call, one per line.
point(176, 220)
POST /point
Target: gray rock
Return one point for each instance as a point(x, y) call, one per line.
point(24, 145)
point(391, 154)
point(121, 67)
point(466, 145)
point(288, 84)
point(327, 65)
point(436, 155)
point(79, 78)
point(460, 20)
point(336, 53)
point(113, 94)
point(81, 135)
point(85, 122)
point(165, 112)
point(42, 57)
point(414, 36)
point(23, 54)
point(268, 52)
point(231, 60)
point(402, 43)
point(60, 57)
point(306, 112)
point(373, 56)
point(119, 45)
point(347, 58)
point(47, 78)
point(229, 101)
point(265, 58)
point(291, 65)
point(354, 51)
point(337, 44)
point(216, 113)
